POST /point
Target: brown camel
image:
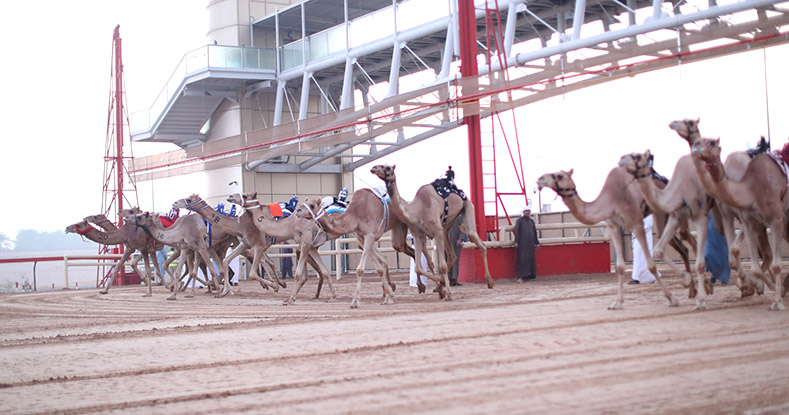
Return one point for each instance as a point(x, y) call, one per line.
point(243, 228)
point(190, 232)
point(684, 200)
point(133, 239)
point(424, 216)
point(761, 196)
point(367, 216)
point(292, 227)
point(619, 204)
point(724, 214)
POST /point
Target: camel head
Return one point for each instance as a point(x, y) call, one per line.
point(309, 208)
point(561, 182)
point(246, 200)
point(636, 164)
point(145, 219)
point(95, 218)
point(79, 227)
point(189, 202)
point(236, 198)
point(707, 150)
point(687, 129)
point(128, 213)
point(385, 173)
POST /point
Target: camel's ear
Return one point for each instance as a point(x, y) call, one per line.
point(698, 120)
point(647, 153)
point(393, 166)
point(570, 173)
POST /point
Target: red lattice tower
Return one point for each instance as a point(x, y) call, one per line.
point(116, 175)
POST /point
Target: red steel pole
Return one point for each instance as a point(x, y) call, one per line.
point(468, 69)
point(118, 119)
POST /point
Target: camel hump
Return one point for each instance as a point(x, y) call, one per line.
point(444, 187)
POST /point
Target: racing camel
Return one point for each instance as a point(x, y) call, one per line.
point(367, 216)
point(761, 196)
point(619, 204)
point(430, 215)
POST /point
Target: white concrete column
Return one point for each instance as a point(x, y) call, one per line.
point(578, 18)
point(278, 102)
point(305, 96)
point(394, 72)
point(347, 85)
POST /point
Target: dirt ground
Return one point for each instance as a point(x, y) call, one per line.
point(548, 346)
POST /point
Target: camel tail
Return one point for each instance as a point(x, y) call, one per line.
point(471, 231)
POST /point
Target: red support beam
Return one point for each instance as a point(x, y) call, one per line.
point(116, 41)
point(468, 68)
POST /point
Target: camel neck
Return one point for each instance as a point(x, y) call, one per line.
point(588, 212)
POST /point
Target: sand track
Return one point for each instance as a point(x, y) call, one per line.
point(548, 346)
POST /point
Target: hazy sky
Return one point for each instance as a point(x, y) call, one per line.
point(56, 74)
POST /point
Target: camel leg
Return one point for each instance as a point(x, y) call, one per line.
point(168, 261)
point(660, 221)
point(765, 253)
point(143, 277)
point(310, 254)
point(667, 236)
point(300, 273)
point(776, 228)
point(207, 256)
point(734, 240)
point(386, 281)
point(265, 260)
point(323, 273)
point(704, 286)
point(753, 233)
point(366, 245)
point(616, 239)
point(259, 261)
point(440, 278)
point(659, 253)
point(471, 231)
point(126, 253)
point(149, 272)
point(176, 281)
point(193, 275)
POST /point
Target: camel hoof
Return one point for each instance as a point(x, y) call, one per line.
point(283, 284)
point(388, 300)
point(146, 295)
point(673, 302)
point(760, 287)
point(777, 306)
point(289, 301)
point(394, 286)
point(747, 291)
point(692, 292)
point(355, 303)
point(189, 296)
point(103, 291)
point(171, 298)
point(422, 289)
point(708, 287)
point(616, 306)
point(700, 305)
point(331, 299)
point(687, 279)
point(490, 284)
point(276, 288)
